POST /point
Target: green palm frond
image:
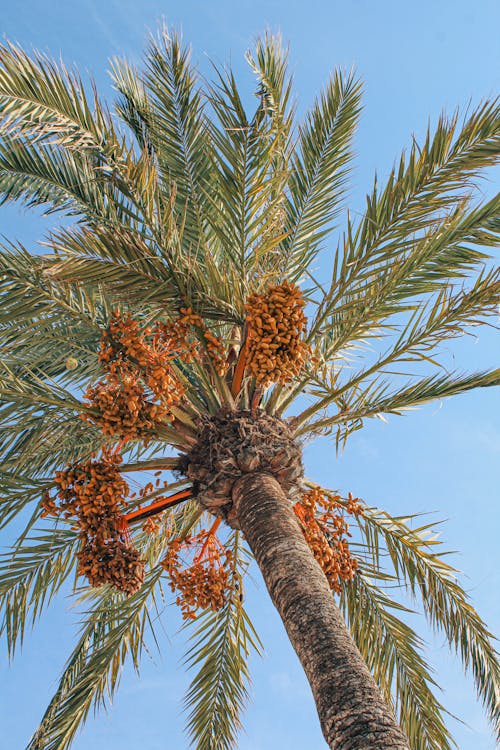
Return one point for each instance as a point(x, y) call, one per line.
point(55, 342)
point(39, 424)
point(252, 166)
point(41, 99)
point(431, 179)
point(380, 397)
point(455, 246)
point(221, 646)
point(29, 295)
point(43, 322)
point(113, 631)
point(420, 565)
point(168, 111)
point(31, 574)
point(118, 261)
point(175, 124)
point(392, 651)
point(432, 268)
point(275, 117)
point(241, 174)
point(17, 492)
point(133, 105)
point(450, 250)
point(30, 390)
point(39, 441)
point(135, 270)
point(450, 314)
point(395, 251)
point(320, 168)
point(60, 147)
point(42, 175)
point(269, 64)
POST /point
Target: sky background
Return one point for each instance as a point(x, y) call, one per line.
point(415, 59)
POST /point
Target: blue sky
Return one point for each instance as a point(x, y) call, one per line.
point(415, 59)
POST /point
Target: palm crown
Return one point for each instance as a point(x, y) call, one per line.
point(188, 220)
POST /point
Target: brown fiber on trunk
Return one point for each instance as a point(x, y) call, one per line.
point(352, 712)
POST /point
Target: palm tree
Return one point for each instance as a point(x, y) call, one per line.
point(177, 289)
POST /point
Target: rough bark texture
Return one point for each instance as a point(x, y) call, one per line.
point(352, 712)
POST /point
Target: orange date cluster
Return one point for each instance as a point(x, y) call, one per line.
point(94, 492)
point(203, 582)
point(323, 524)
point(140, 387)
point(276, 326)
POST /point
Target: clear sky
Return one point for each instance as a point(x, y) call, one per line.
point(415, 58)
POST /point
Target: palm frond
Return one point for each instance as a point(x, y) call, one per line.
point(29, 295)
point(419, 564)
point(320, 169)
point(451, 249)
point(176, 126)
point(114, 630)
point(167, 112)
point(222, 641)
point(381, 398)
point(134, 270)
point(31, 574)
point(17, 492)
point(39, 424)
point(450, 314)
point(416, 228)
point(119, 261)
point(392, 651)
point(58, 147)
point(269, 62)
point(46, 346)
point(431, 179)
point(133, 105)
point(252, 163)
point(40, 99)
point(32, 390)
point(46, 120)
point(275, 118)
point(43, 322)
point(42, 175)
point(34, 442)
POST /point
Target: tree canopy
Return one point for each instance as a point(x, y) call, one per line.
point(179, 202)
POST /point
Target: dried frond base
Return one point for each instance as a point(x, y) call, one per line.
point(231, 444)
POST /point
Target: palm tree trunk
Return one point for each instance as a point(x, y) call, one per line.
point(352, 712)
